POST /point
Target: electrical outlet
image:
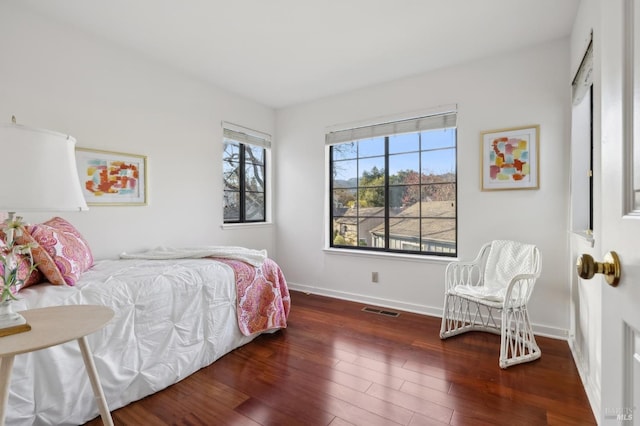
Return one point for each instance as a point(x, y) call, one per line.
point(374, 277)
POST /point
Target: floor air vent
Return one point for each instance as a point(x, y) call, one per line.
point(380, 312)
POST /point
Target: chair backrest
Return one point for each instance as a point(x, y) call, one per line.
point(507, 259)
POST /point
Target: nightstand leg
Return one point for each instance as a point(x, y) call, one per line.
point(95, 382)
point(6, 364)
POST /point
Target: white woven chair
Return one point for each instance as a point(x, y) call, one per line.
point(499, 280)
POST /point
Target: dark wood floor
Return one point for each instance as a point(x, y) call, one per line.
point(337, 365)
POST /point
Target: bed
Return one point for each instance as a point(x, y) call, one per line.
point(176, 312)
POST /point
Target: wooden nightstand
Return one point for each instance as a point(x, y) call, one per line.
point(50, 327)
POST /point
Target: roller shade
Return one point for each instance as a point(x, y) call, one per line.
point(245, 135)
point(412, 125)
point(584, 77)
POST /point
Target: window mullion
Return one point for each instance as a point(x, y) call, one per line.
point(420, 191)
point(241, 173)
point(387, 210)
point(357, 189)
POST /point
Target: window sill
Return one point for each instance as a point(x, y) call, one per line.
point(586, 236)
point(385, 255)
point(246, 225)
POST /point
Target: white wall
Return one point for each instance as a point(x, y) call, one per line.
point(522, 88)
point(54, 77)
point(586, 311)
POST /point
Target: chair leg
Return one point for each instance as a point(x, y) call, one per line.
point(518, 343)
point(461, 315)
point(445, 316)
point(455, 317)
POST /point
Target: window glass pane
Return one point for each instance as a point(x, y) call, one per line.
point(345, 174)
point(371, 171)
point(365, 228)
point(344, 151)
point(345, 230)
point(254, 154)
point(370, 147)
point(440, 192)
point(372, 211)
point(439, 235)
point(373, 198)
point(231, 150)
point(378, 238)
point(441, 138)
point(438, 209)
point(230, 164)
point(377, 235)
point(407, 142)
point(254, 178)
point(441, 162)
point(343, 199)
point(230, 176)
point(399, 163)
point(231, 206)
point(402, 198)
point(404, 177)
point(254, 206)
point(404, 234)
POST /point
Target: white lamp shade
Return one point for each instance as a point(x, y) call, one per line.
point(38, 171)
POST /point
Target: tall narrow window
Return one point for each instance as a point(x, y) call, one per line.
point(244, 174)
point(582, 147)
point(393, 186)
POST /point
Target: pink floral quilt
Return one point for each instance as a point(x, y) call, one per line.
point(263, 296)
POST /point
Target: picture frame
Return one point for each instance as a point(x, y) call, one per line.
point(510, 158)
point(112, 178)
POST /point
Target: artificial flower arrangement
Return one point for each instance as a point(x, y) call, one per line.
point(10, 258)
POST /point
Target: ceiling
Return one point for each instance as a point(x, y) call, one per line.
point(285, 52)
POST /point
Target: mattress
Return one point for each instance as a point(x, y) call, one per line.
point(172, 317)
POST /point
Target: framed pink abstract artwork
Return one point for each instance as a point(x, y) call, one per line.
point(112, 178)
point(510, 158)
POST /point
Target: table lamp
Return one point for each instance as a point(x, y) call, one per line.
point(38, 173)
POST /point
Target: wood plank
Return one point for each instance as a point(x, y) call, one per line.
point(337, 365)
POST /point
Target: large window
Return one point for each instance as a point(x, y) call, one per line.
point(244, 174)
point(393, 186)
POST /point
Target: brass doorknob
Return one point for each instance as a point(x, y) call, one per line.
point(610, 267)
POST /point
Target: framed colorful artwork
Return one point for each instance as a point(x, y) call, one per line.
point(112, 178)
point(510, 158)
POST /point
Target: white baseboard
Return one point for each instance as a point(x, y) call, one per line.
point(590, 388)
point(354, 297)
point(434, 311)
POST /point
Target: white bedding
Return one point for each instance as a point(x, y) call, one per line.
point(247, 255)
point(171, 319)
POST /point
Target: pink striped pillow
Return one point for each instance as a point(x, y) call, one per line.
point(62, 254)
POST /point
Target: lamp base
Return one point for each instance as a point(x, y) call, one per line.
point(11, 322)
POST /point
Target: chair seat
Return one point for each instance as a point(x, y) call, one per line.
point(484, 295)
point(481, 293)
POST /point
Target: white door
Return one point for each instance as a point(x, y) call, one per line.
point(620, 209)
